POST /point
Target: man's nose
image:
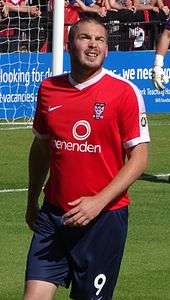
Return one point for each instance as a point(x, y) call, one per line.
point(92, 42)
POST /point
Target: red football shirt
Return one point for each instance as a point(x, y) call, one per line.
point(90, 126)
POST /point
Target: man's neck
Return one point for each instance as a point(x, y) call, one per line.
point(81, 76)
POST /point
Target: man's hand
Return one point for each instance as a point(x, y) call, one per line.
point(84, 210)
point(31, 215)
point(34, 10)
point(159, 78)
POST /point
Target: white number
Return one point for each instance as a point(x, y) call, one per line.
point(99, 282)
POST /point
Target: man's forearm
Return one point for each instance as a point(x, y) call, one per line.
point(163, 44)
point(159, 77)
point(130, 172)
point(38, 170)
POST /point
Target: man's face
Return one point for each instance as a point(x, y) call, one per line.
point(89, 47)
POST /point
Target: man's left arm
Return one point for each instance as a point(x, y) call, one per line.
point(158, 75)
point(86, 209)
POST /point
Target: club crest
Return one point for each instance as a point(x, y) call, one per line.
point(98, 110)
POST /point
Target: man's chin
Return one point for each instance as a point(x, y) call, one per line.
point(91, 66)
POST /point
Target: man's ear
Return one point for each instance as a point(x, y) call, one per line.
point(68, 46)
point(106, 53)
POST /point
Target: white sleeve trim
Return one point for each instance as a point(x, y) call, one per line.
point(135, 142)
point(38, 135)
point(143, 124)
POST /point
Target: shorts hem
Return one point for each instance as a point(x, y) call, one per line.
point(58, 283)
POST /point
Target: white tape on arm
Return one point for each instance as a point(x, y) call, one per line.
point(159, 60)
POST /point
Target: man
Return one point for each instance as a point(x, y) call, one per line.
point(159, 77)
point(86, 124)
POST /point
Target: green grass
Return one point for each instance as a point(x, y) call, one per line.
point(145, 270)
point(14, 147)
point(160, 143)
point(144, 273)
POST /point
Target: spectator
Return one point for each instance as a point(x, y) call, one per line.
point(9, 35)
point(72, 11)
point(89, 6)
point(149, 10)
point(20, 6)
point(136, 11)
point(118, 4)
point(3, 10)
point(121, 10)
point(166, 3)
point(71, 16)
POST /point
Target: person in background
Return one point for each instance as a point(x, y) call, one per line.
point(158, 76)
point(151, 10)
point(20, 6)
point(71, 16)
point(166, 3)
point(118, 4)
point(91, 132)
point(10, 33)
point(89, 6)
point(3, 10)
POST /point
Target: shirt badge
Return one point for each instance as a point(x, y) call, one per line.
point(98, 110)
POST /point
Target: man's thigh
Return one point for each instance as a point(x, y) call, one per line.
point(47, 259)
point(96, 258)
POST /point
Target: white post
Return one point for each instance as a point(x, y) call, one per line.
point(58, 37)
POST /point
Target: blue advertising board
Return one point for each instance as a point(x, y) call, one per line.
point(21, 74)
point(137, 67)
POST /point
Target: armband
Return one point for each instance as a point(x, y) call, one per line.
point(159, 60)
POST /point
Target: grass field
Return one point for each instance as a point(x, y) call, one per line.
point(145, 272)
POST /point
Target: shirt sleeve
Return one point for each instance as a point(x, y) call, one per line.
point(40, 128)
point(133, 122)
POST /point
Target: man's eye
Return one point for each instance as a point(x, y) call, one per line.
point(101, 40)
point(84, 37)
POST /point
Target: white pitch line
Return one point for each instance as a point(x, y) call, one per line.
point(13, 190)
point(15, 128)
point(163, 175)
point(159, 176)
point(28, 126)
point(158, 124)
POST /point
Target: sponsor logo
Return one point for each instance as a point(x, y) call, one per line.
point(86, 130)
point(51, 108)
point(81, 131)
point(98, 110)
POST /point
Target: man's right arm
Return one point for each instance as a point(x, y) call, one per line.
point(159, 77)
point(39, 159)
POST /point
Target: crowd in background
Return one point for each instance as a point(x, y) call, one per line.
point(26, 25)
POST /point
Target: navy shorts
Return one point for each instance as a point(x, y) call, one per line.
point(86, 257)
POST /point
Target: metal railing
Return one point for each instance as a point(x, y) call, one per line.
point(32, 33)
